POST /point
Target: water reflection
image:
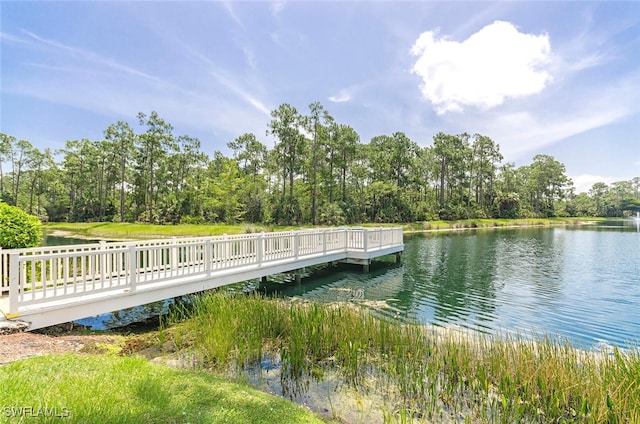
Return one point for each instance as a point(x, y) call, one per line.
point(580, 283)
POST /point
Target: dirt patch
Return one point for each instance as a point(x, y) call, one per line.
point(25, 345)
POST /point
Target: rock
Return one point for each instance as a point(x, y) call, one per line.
point(10, 327)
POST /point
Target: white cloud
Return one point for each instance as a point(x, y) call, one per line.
point(277, 7)
point(250, 57)
point(584, 182)
point(91, 57)
point(496, 63)
point(522, 133)
point(229, 8)
point(343, 96)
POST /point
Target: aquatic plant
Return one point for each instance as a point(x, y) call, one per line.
point(422, 373)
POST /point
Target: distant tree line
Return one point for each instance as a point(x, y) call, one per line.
point(318, 172)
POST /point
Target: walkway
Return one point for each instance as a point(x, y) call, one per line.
point(51, 285)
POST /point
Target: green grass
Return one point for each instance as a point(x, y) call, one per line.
point(426, 226)
point(420, 372)
point(124, 231)
point(111, 389)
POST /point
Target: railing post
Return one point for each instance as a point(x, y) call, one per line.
point(174, 253)
point(296, 244)
point(4, 284)
point(365, 239)
point(260, 248)
point(14, 282)
point(347, 234)
point(103, 260)
point(133, 259)
point(324, 241)
point(207, 256)
point(380, 237)
point(226, 249)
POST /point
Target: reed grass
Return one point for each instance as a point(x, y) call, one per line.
point(423, 373)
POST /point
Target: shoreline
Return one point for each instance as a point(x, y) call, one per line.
point(408, 229)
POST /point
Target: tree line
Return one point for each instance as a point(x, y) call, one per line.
point(318, 172)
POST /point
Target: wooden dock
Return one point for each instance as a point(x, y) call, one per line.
point(51, 285)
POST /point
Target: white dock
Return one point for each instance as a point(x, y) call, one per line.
point(51, 285)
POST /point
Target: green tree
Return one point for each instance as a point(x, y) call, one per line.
point(252, 154)
point(318, 124)
point(121, 140)
point(20, 159)
point(545, 182)
point(154, 146)
point(598, 193)
point(451, 153)
point(485, 158)
point(249, 152)
point(6, 143)
point(289, 154)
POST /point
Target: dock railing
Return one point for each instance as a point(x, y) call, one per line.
point(45, 274)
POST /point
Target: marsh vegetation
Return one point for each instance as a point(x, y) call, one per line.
point(416, 372)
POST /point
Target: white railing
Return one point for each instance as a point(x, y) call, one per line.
point(40, 275)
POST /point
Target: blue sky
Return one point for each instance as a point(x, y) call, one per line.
point(558, 78)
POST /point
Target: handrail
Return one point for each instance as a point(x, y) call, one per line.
point(43, 274)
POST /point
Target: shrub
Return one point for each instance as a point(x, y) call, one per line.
point(18, 229)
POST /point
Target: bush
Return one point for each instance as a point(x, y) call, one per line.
point(18, 229)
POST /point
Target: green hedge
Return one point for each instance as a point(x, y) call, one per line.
point(18, 229)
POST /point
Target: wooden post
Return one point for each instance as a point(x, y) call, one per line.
point(324, 241)
point(296, 244)
point(226, 250)
point(365, 240)
point(260, 248)
point(207, 256)
point(365, 266)
point(133, 258)
point(14, 284)
point(174, 253)
point(298, 273)
point(103, 263)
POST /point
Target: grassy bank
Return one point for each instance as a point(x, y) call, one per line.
point(128, 231)
point(125, 231)
point(111, 389)
point(420, 373)
point(427, 226)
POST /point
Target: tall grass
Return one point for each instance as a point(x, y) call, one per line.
point(422, 373)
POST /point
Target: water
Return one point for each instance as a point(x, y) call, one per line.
point(51, 240)
point(579, 283)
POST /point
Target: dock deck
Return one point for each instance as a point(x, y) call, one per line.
point(51, 285)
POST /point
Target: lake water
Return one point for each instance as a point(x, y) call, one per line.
point(579, 283)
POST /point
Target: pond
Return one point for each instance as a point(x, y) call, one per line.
point(579, 283)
